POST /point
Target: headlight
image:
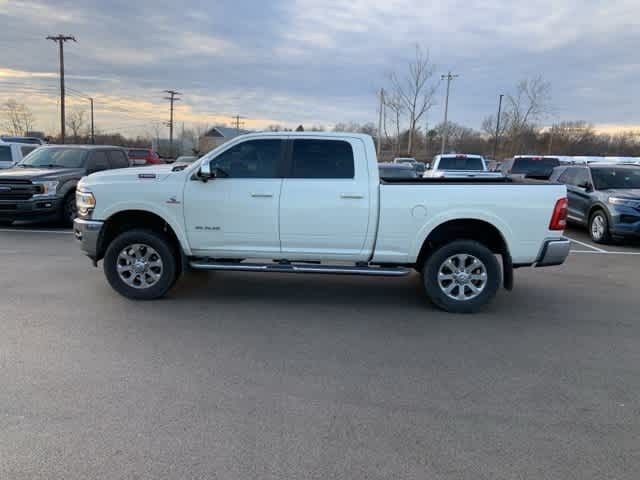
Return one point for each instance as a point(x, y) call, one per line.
point(47, 189)
point(85, 201)
point(624, 201)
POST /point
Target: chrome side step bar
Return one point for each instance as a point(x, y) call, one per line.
point(297, 268)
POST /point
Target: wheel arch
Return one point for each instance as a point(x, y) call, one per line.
point(125, 220)
point(479, 230)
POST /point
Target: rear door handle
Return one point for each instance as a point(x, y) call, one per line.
point(261, 195)
point(351, 195)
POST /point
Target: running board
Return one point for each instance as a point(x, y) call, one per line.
point(295, 268)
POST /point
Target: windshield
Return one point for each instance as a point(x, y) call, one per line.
point(460, 163)
point(615, 178)
point(55, 157)
point(530, 164)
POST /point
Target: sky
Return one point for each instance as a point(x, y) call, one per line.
point(288, 62)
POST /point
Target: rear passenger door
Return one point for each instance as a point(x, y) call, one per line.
point(325, 201)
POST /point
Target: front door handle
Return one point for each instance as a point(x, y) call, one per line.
point(351, 195)
point(261, 195)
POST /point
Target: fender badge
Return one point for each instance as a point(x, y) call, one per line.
point(146, 175)
point(173, 201)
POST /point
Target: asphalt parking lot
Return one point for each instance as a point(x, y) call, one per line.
point(240, 375)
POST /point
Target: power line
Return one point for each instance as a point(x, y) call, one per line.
point(60, 40)
point(238, 123)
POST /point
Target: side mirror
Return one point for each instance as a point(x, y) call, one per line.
point(204, 172)
point(586, 185)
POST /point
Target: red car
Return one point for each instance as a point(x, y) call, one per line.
point(144, 156)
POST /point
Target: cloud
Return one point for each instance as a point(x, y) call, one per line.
point(321, 61)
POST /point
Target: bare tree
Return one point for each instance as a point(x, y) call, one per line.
point(416, 90)
point(396, 108)
point(75, 122)
point(19, 118)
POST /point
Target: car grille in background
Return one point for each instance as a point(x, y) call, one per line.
point(11, 189)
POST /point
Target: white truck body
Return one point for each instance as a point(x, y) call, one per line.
point(358, 219)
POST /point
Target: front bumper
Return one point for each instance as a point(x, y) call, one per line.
point(625, 221)
point(32, 209)
point(554, 252)
point(87, 232)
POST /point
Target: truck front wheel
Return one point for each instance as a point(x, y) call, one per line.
point(140, 264)
point(461, 276)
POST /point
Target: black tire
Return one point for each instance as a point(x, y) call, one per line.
point(490, 283)
point(69, 210)
point(164, 250)
point(602, 234)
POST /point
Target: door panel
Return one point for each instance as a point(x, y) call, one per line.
point(236, 214)
point(324, 208)
point(233, 215)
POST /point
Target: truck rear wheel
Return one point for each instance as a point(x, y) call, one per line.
point(461, 276)
point(141, 264)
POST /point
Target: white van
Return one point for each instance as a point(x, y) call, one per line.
point(11, 152)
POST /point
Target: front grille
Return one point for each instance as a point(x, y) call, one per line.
point(11, 189)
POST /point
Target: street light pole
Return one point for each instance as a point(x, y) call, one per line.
point(495, 140)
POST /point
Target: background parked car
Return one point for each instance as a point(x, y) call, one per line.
point(11, 152)
point(455, 165)
point(42, 186)
point(397, 170)
point(603, 197)
point(530, 166)
point(144, 156)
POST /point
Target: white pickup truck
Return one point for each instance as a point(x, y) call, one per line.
point(458, 165)
point(314, 203)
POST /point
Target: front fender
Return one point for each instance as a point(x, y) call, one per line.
point(171, 214)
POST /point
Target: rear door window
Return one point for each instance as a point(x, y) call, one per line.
point(5, 154)
point(27, 150)
point(322, 159)
point(118, 159)
point(97, 161)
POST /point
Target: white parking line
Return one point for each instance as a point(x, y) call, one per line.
point(605, 253)
point(19, 230)
point(600, 250)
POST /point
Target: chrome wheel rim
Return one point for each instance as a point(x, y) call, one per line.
point(597, 227)
point(139, 266)
point(462, 277)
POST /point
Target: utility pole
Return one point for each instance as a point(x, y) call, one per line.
point(93, 137)
point(60, 39)
point(449, 76)
point(172, 98)
point(379, 145)
point(495, 140)
point(238, 123)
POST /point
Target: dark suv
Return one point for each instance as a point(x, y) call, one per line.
point(42, 186)
point(603, 197)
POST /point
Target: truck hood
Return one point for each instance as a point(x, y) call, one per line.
point(151, 173)
point(41, 174)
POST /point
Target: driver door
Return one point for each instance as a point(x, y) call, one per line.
point(235, 215)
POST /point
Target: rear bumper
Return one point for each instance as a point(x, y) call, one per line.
point(554, 252)
point(87, 232)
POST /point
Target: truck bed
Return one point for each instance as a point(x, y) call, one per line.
point(474, 180)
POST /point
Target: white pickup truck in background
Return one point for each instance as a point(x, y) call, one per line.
point(458, 165)
point(314, 203)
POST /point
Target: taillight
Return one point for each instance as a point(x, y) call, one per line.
point(559, 217)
